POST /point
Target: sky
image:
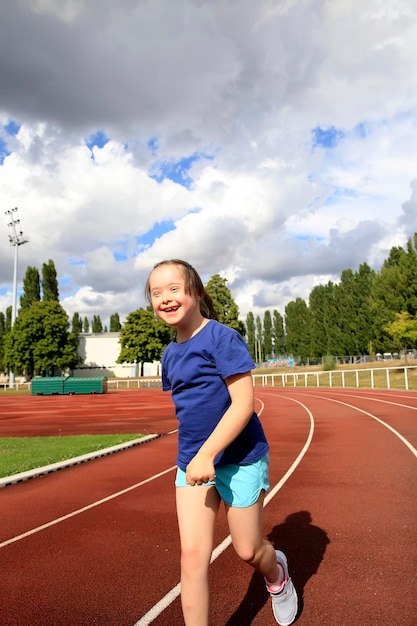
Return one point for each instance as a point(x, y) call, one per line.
point(271, 142)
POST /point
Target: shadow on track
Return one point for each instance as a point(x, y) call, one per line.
point(305, 545)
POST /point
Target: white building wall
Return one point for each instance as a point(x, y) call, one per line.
point(99, 353)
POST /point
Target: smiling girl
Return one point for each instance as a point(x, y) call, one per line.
point(222, 449)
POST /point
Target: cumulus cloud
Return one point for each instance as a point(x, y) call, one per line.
point(275, 145)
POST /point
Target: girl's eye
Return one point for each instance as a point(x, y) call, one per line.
point(155, 294)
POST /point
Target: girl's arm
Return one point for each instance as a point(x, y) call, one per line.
point(201, 467)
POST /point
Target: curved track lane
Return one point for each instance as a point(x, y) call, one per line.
point(97, 543)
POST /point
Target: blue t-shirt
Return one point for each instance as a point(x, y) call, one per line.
point(195, 372)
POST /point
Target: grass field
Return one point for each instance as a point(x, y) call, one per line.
point(20, 454)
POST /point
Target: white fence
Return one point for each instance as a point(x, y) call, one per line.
point(403, 377)
point(133, 383)
point(17, 386)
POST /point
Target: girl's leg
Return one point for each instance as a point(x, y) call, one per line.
point(196, 510)
point(245, 525)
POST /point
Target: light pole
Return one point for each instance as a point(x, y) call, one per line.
point(16, 239)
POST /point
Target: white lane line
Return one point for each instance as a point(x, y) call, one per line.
point(163, 604)
point(403, 406)
point(299, 458)
point(395, 432)
point(58, 520)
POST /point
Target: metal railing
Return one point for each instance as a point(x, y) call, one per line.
point(133, 383)
point(16, 387)
point(400, 377)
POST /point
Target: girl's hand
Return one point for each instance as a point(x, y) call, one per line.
point(199, 470)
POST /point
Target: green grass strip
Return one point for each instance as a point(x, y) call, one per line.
point(20, 454)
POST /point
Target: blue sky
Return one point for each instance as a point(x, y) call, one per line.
point(156, 231)
point(177, 171)
point(3, 150)
point(98, 140)
point(11, 128)
point(326, 137)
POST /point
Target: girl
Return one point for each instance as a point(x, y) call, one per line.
point(222, 449)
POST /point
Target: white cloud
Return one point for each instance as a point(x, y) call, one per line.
point(267, 208)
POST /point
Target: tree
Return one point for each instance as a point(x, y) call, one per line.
point(143, 337)
point(297, 322)
point(31, 288)
point(327, 315)
point(50, 290)
point(403, 330)
point(97, 326)
point(362, 304)
point(319, 318)
point(387, 298)
point(259, 351)
point(86, 325)
point(279, 334)
point(345, 318)
point(115, 324)
point(267, 335)
point(353, 306)
point(225, 306)
point(2, 335)
point(76, 324)
point(408, 266)
point(40, 341)
point(9, 312)
point(250, 330)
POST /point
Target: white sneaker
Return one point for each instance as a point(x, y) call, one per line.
point(285, 602)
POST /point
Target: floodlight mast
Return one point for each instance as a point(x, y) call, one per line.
point(16, 239)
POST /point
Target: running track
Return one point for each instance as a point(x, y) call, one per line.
point(97, 543)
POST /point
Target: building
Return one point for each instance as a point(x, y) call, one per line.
point(99, 353)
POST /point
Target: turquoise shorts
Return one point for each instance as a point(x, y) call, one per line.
point(238, 485)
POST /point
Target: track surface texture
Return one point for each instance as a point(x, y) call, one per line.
point(97, 543)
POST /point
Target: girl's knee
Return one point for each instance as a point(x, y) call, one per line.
point(193, 560)
point(252, 553)
point(247, 553)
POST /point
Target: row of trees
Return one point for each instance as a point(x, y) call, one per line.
point(41, 341)
point(79, 325)
point(364, 313)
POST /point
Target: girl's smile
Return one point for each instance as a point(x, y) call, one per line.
point(171, 303)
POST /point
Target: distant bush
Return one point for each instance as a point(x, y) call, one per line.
point(329, 363)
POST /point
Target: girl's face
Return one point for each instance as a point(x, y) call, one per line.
point(169, 300)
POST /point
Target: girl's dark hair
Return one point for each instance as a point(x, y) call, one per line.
point(193, 285)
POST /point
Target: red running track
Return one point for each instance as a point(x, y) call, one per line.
point(97, 543)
